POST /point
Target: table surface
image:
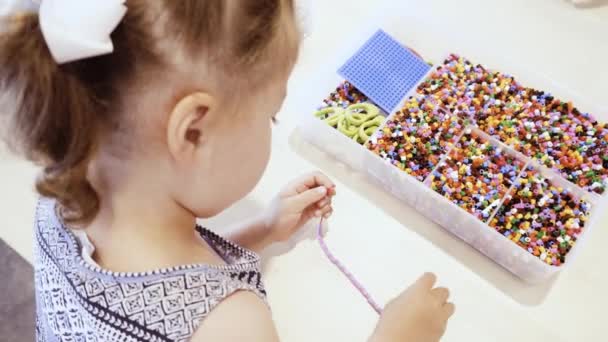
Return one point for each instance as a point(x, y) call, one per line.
point(385, 243)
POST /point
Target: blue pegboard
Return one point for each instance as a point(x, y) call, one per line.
point(384, 70)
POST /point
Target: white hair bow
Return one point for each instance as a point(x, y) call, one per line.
point(75, 30)
point(11, 6)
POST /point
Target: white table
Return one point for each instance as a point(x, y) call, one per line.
point(387, 244)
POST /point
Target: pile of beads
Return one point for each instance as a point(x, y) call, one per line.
point(544, 219)
point(459, 86)
point(344, 95)
point(558, 136)
point(533, 122)
point(357, 121)
point(476, 175)
point(415, 138)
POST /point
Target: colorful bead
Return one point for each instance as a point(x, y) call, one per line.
point(344, 95)
point(476, 175)
point(415, 138)
point(542, 218)
point(534, 122)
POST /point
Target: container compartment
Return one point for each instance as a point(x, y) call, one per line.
point(542, 217)
point(415, 138)
point(483, 238)
point(557, 135)
point(476, 174)
point(351, 113)
point(458, 85)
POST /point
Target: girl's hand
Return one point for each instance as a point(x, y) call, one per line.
point(307, 197)
point(420, 313)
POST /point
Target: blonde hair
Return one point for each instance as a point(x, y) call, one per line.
point(57, 112)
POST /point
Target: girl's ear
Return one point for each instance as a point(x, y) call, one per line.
point(187, 124)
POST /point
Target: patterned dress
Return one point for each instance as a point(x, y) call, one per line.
point(78, 301)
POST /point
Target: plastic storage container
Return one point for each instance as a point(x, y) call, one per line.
point(419, 195)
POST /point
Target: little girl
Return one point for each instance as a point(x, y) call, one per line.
point(143, 116)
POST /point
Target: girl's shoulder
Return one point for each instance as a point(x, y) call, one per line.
point(77, 297)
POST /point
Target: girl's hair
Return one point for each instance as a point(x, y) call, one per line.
point(56, 113)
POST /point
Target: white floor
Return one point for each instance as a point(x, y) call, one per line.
point(388, 244)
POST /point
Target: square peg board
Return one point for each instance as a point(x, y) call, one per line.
point(384, 70)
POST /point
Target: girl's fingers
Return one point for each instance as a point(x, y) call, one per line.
point(427, 280)
point(322, 212)
point(326, 210)
point(324, 202)
point(318, 178)
point(312, 180)
point(449, 309)
point(307, 198)
point(441, 294)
